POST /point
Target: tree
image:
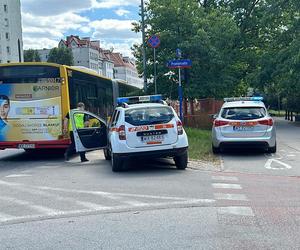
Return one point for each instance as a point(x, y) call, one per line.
point(208, 38)
point(61, 56)
point(31, 55)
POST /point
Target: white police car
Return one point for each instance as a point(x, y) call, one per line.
point(141, 126)
point(243, 122)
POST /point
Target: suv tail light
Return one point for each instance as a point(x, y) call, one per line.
point(179, 128)
point(122, 132)
point(267, 122)
point(220, 123)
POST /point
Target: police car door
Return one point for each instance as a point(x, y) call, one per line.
point(89, 134)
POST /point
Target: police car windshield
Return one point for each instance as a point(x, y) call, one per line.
point(243, 113)
point(149, 115)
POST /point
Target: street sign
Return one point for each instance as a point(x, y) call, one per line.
point(154, 41)
point(180, 64)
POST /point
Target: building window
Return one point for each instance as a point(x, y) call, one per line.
point(8, 50)
point(6, 22)
point(5, 8)
point(7, 36)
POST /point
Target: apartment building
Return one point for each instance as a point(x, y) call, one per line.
point(11, 43)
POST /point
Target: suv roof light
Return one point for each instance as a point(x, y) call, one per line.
point(253, 98)
point(139, 99)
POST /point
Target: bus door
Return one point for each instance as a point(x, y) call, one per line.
point(90, 131)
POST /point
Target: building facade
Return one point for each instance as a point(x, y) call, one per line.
point(125, 69)
point(11, 42)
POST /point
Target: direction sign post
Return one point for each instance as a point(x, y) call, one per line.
point(154, 43)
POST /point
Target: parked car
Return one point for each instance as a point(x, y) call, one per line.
point(142, 126)
point(243, 122)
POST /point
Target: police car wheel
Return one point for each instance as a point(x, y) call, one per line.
point(107, 154)
point(116, 163)
point(181, 161)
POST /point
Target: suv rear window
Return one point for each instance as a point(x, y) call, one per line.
point(244, 113)
point(146, 116)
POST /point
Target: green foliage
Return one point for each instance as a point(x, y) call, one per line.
point(31, 55)
point(233, 44)
point(61, 56)
point(200, 144)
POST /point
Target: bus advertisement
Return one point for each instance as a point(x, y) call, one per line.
point(35, 98)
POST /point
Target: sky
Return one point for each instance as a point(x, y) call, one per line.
point(46, 22)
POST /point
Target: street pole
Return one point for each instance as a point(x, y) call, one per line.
point(144, 46)
point(180, 95)
point(154, 56)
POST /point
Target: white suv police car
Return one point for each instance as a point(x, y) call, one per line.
point(141, 126)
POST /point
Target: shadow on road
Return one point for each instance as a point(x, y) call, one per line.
point(243, 152)
point(36, 155)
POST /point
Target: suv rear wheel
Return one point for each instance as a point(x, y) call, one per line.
point(181, 161)
point(215, 150)
point(116, 163)
point(107, 154)
point(272, 150)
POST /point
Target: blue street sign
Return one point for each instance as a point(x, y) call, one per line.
point(180, 64)
point(154, 41)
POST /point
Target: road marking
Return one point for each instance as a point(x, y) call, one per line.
point(224, 178)
point(18, 175)
point(48, 167)
point(291, 155)
point(269, 162)
point(28, 189)
point(242, 211)
point(41, 209)
point(233, 197)
point(5, 217)
point(107, 194)
point(226, 186)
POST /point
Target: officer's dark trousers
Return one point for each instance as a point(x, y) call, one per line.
point(71, 149)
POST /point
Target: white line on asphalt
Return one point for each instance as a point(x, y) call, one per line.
point(18, 175)
point(28, 189)
point(243, 211)
point(269, 162)
point(233, 197)
point(114, 196)
point(193, 202)
point(224, 178)
point(226, 186)
point(5, 217)
point(41, 209)
point(107, 194)
point(291, 155)
point(48, 167)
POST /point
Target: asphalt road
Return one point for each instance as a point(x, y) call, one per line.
point(251, 202)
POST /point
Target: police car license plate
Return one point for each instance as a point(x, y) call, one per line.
point(26, 146)
point(243, 128)
point(152, 138)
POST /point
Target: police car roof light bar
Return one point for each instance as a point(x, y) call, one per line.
point(139, 99)
point(253, 98)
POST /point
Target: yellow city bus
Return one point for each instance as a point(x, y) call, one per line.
point(35, 98)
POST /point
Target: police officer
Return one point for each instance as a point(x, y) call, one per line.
point(81, 121)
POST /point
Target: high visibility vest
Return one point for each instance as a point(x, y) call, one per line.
point(79, 121)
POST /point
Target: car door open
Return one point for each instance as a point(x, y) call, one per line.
point(90, 131)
